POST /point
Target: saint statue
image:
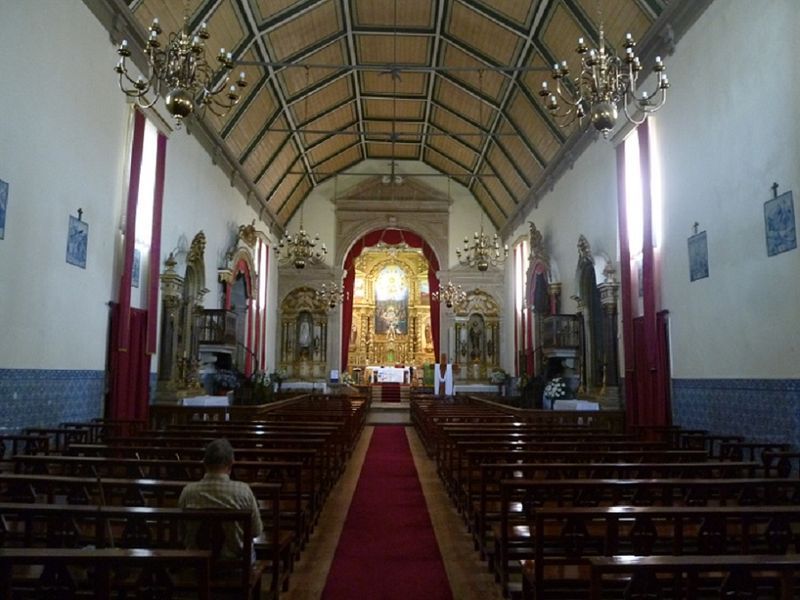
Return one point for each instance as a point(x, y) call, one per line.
point(304, 339)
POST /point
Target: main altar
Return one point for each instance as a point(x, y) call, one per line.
point(390, 338)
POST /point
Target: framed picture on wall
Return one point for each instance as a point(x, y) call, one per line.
point(781, 231)
point(77, 242)
point(698, 256)
point(3, 207)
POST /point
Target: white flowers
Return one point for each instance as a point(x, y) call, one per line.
point(556, 389)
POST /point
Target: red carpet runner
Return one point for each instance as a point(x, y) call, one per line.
point(390, 392)
point(387, 550)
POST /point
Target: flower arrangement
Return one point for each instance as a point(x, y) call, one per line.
point(227, 379)
point(498, 377)
point(347, 379)
point(278, 376)
point(556, 389)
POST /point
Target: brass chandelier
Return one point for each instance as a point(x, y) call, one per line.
point(181, 70)
point(482, 251)
point(331, 294)
point(451, 295)
point(605, 80)
point(300, 248)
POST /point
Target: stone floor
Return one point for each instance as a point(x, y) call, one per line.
point(469, 578)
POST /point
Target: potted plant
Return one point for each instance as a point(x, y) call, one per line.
point(276, 378)
point(499, 378)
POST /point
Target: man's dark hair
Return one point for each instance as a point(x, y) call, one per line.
point(219, 453)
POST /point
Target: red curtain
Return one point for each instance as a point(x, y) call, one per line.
point(392, 237)
point(137, 149)
point(651, 386)
point(155, 244)
point(134, 332)
point(644, 338)
point(129, 369)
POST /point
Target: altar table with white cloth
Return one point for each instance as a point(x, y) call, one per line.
point(206, 401)
point(388, 374)
point(575, 405)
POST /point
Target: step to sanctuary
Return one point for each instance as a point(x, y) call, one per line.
point(389, 413)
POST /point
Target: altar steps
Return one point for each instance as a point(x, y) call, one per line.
point(389, 413)
point(390, 392)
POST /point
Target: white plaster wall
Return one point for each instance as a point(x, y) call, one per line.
point(62, 132)
point(728, 130)
point(64, 147)
point(725, 139)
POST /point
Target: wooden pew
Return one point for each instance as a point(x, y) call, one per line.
point(49, 529)
point(565, 538)
point(321, 481)
point(107, 568)
point(296, 479)
point(520, 499)
point(747, 576)
point(484, 498)
point(61, 491)
point(451, 463)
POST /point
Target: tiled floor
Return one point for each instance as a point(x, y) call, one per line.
point(468, 576)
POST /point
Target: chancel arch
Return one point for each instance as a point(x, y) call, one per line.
point(378, 333)
point(391, 322)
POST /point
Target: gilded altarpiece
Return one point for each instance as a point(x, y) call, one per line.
point(182, 302)
point(391, 309)
point(477, 336)
point(303, 334)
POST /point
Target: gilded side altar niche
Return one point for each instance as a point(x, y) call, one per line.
point(182, 298)
point(304, 334)
point(477, 335)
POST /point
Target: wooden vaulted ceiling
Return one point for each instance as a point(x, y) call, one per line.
point(455, 108)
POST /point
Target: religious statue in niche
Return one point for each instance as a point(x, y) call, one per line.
point(476, 335)
point(304, 339)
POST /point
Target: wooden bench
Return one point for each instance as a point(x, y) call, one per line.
point(52, 527)
point(520, 499)
point(107, 570)
point(62, 491)
point(298, 511)
point(484, 497)
point(746, 576)
point(564, 538)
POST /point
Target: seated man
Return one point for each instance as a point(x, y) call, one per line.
point(216, 490)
